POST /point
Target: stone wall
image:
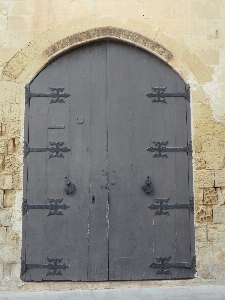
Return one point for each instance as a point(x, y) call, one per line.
point(32, 32)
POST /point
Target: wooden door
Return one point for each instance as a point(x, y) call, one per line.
point(91, 122)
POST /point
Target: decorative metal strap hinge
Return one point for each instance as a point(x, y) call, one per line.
point(147, 187)
point(163, 265)
point(56, 96)
point(53, 207)
point(54, 149)
point(162, 206)
point(162, 149)
point(53, 265)
point(159, 94)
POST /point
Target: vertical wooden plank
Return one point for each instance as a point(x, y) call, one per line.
point(98, 206)
point(119, 141)
point(87, 166)
point(57, 168)
point(36, 173)
point(78, 169)
point(182, 194)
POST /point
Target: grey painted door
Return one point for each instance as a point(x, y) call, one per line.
point(86, 216)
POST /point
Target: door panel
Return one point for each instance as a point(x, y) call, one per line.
point(106, 230)
point(138, 123)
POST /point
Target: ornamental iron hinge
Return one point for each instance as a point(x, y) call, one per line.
point(53, 207)
point(159, 94)
point(161, 149)
point(163, 206)
point(54, 149)
point(147, 187)
point(163, 265)
point(56, 96)
point(53, 265)
point(69, 186)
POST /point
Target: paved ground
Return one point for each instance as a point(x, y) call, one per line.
point(188, 292)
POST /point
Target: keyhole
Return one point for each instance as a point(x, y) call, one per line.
point(93, 199)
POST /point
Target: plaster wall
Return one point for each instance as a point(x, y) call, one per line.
point(189, 35)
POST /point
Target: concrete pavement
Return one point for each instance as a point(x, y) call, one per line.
point(186, 292)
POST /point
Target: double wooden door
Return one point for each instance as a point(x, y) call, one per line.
point(107, 169)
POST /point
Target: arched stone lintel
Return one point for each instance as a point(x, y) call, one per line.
point(31, 59)
point(108, 32)
point(19, 62)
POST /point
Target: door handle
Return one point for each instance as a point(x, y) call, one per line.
point(69, 186)
point(147, 187)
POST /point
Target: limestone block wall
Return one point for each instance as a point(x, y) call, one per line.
point(189, 35)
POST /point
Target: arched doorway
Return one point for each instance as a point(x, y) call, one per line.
point(107, 175)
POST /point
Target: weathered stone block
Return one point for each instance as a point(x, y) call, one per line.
point(216, 232)
point(210, 196)
point(2, 162)
point(3, 22)
point(214, 161)
point(17, 147)
point(206, 9)
point(12, 163)
point(1, 271)
point(5, 217)
point(9, 251)
point(11, 146)
point(210, 133)
point(202, 111)
point(6, 181)
point(15, 67)
point(211, 57)
point(17, 23)
point(219, 178)
point(12, 237)
point(201, 233)
point(4, 7)
point(17, 181)
point(13, 128)
point(204, 214)
point(4, 112)
point(9, 90)
point(15, 111)
point(203, 246)
point(7, 271)
point(212, 143)
point(198, 196)
point(197, 145)
point(2, 235)
point(199, 161)
point(204, 271)
point(219, 214)
point(21, 8)
point(204, 178)
point(221, 195)
point(199, 96)
point(3, 147)
point(196, 66)
point(16, 267)
point(2, 194)
point(204, 252)
point(9, 198)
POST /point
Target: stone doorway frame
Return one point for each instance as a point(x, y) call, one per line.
point(30, 60)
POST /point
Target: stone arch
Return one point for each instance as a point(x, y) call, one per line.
point(26, 63)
